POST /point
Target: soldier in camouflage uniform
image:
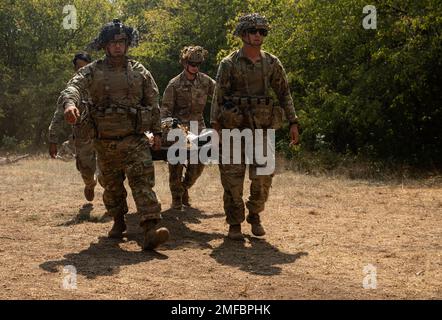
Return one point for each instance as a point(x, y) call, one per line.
point(67, 149)
point(243, 85)
point(123, 106)
point(185, 98)
point(85, 157)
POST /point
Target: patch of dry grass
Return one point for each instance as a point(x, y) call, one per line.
point(321, 232)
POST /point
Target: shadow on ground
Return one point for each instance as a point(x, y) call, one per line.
point(103, 258)
point(182, 236)
point(255, 256)
point(84, 214)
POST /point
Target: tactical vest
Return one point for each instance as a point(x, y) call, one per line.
point(118, 110)
point(255, 112)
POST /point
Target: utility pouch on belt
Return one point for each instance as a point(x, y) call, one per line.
point(262, 111)
point(231, 116)
point(144, 119)
point(257, 112)
point(265, 113)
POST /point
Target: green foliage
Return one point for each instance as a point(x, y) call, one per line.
point(362, 92)
point(35, 60)
point(374, 92)
point(9, 143)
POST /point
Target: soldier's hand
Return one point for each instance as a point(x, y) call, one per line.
point(53, 150)
point(156, 143)
point(294, 134)
point(71, 114)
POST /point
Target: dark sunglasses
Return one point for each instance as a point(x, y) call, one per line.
point(262, 32)
point(120, 42)
point(194, 64)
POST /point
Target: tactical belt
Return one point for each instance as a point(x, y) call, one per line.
point(244, 101)
point(116, 109)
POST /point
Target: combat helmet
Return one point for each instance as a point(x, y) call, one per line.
point(112, 30)
point(193, 54)
point(248, 21)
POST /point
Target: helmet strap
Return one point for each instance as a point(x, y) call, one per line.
point(191, 73)
point(248, 42)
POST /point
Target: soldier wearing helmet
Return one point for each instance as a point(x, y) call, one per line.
point(247, 81)
point(122, 106)
point(185, 98)
point(85, 156)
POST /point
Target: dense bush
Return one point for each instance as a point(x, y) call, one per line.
point(374, 93)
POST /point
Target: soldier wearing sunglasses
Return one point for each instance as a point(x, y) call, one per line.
point(185, 98)
point(251, 92)
point(122, 106)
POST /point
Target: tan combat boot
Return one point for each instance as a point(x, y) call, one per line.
point(185, 198)
point(118, 228)
point(154, 237)
point(257, 228)
point(235, 232)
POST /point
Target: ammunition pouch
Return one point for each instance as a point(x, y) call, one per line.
point(231, 115)
point(115, 121)
point(144, 119)
point(251, 112)
point(262, 115)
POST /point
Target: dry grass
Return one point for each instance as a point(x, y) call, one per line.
point(322, 231)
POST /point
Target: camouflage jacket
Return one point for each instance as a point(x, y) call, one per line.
point(56, 126)
point(117, 88)
point(238, 76)
point(186, 100)
point(58, 122)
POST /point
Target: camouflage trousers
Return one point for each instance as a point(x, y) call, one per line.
point(232, 179)
point(177, 183)
point(85, 160)
point(131, 158)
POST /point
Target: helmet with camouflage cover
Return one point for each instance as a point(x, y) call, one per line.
point(195, 54)
point(114, 30)
point(248, 21)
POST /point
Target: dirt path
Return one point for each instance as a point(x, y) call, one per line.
point(322, 232)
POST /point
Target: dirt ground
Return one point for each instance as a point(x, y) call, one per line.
point(321, 233)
